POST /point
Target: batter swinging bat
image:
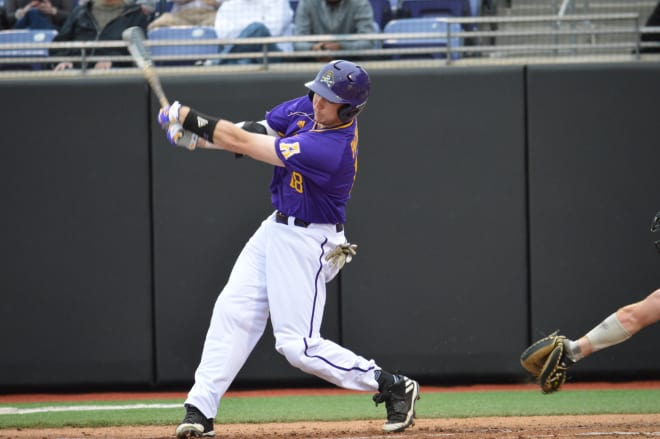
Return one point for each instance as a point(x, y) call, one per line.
point(134, 37)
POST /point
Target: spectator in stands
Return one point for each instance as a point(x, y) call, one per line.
point(652, 21)
point(5, 21)
point(188, 13)
point(253, 18)
point(334, 17)
point(102, 20)
point(39, 14)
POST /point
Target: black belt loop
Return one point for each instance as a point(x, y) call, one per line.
point(284, 219)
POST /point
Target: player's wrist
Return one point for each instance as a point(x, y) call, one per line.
point(198, 123)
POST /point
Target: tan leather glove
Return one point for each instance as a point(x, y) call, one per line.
point(342, 254)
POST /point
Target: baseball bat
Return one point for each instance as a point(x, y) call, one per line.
point(134, 38)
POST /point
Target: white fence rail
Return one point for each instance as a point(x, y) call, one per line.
point(479, 41)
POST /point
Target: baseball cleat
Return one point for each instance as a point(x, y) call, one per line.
point(194, 424)
point(400, 399)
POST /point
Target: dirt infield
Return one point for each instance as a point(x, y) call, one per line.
point(594, 426)
point(599, 427)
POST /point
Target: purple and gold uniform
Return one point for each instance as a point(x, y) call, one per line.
point(282, 271)
point(320, 164)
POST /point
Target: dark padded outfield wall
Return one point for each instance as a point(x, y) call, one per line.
point(206, 206)
point(438, 212)
point(594, 188)
point(75, 233)
point(93, 296)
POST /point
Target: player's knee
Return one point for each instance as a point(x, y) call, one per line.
point(293, 350)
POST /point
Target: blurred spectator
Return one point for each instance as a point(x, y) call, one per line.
point(5, 21)
point(102, 20)
point(652, 21)
point(253, 18)
point(334, 17)
point(39, 14)
point(188, 13)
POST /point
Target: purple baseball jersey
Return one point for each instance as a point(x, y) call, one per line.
point(320, 165)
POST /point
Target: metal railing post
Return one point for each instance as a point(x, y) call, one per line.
point(83, 60)
point(448, 46)
point(638, 40)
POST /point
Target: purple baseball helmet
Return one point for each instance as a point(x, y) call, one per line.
point(342, 82)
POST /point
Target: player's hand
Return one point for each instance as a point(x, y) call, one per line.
point(169, 114)
point(103, 65)
point(63, 66)
point(342, 254)
point(177, 136)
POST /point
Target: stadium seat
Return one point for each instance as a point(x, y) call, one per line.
point(475, 8)
point(163, 6)
point(22, 36)
point(382, 12)
point(294, 5)
point(182, 33)
point(433, 8)
point(421, 25)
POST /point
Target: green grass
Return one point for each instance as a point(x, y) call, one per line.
point(350, 407)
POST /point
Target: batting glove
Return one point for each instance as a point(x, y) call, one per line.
point(177, 136)
point(169, 114)
point(342, 254)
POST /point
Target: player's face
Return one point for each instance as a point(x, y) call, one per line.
point(325, 112)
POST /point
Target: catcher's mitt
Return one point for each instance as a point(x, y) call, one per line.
point(547, 361)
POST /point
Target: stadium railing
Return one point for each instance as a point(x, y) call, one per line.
point(489, 40)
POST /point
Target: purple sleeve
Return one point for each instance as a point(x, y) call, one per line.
point(284, 117)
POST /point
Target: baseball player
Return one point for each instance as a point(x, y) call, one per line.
point(312, 142)
point(550, 357)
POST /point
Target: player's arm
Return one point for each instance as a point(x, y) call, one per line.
point(218, 134)
point(230, 137)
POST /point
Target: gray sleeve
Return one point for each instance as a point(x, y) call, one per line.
point(303, 26)
point(363, 24)
point(10, 7)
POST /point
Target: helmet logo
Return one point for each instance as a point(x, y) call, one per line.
point(328, 78)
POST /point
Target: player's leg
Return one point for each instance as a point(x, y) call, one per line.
point(238, 321)
point(297, 295)
point(296, 291)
